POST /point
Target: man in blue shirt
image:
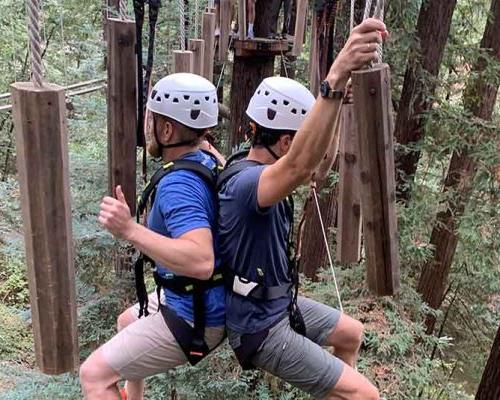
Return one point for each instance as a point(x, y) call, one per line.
point(180, 238)
point(268, 326)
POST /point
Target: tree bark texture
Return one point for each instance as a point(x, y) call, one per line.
point(248, 72)
point(433, 28)
point(489, 388)
point(479, 99)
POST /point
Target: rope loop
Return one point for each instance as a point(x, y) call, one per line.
point(123, 10)
point(182, 24)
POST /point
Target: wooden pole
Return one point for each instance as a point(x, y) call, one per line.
point(122, 109)
point(372, 102)
point(300, 25)
point(314, 57)
point(349, 202)
point(208, 29)
point(183, 61)
point(242, 19)
point(197, 46)
point(225, 28)
point(42, 163)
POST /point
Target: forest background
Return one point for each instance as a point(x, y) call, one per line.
point(399, 353)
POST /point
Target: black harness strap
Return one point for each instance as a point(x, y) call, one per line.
point(190, 338)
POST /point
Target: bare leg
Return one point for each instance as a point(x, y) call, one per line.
point(353, 386)
point(346, 339)
point(98, 379)
point(251, 17)
point(134, 389)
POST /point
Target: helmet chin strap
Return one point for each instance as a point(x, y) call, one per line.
point(275, 156)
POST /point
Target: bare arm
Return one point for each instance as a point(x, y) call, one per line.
point(330, 156)
point(205, 145)
point(315, 135)
point(189, 255)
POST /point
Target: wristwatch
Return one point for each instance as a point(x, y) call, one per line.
point(328, 93)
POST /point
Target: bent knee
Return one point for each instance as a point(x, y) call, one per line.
point(125, 319)
point(88, 374)
point(369, 393)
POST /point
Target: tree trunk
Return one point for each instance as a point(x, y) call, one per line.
point(313, 251)
point(479, 99)
point(248, 72)
point(489, 388)
point(433, 28)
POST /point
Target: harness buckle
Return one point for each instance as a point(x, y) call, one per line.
point(243, 286)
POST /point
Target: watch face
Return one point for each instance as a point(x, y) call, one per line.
point(324, 88)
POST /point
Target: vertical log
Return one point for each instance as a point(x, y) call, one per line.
point(372, 101)
point(314, 57)
point(122, 118)
point(242, 19)
point(300, 25)
point(42, 162)
point(489, 388)
point(183, 61)
point(225, 28)
point(479, 99)
point(208, 29)
point(349, 216)
point(433, 27)
point(122, 109)
point(197, 46)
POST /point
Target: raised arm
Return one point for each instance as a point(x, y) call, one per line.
point(315, 135)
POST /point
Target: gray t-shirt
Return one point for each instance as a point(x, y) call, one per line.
point(251, 239)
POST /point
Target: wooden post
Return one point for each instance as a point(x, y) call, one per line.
point(42, 163)
point(122, 109)
point(183, 61)
point(197, 46)
point(300, 25)
point(208, 29)
point(372, 102)
point(314, 57)
point(242, 19)
point(225, 28)
point(349, 202)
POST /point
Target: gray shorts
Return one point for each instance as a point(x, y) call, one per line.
point(147, 346)
point(299, 360)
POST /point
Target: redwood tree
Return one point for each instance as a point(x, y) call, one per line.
point(433, 27)
point(479, 100)
point(489, 388)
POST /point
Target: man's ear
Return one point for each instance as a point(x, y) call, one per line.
point(166, 133)
point(285, 142)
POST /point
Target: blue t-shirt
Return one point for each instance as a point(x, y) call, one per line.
point(253, 238)
point(184, 202)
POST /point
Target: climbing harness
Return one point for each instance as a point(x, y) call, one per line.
point(191, 338)
point(245, 287)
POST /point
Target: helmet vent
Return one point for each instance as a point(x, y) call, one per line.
point(158, 98)
point(153, 94)
point(258, 92)
point(266, 92)
point(286, 102)
point(186, 97)
point(214, 101)
point(304, 112)
point(175, 100)
point(294, 111)
point(207, 98)
point(275, 102)
point(271, 114)
point(195, 114)
point(197, 102)
point(167, 95)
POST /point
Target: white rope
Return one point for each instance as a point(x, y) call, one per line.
point(182, 25)
point(379, 13)
point(211, 4)
point(327, 247)
point(368, 8)
point(35, 42)
point(223, 66)
point(123, 10)
point(283, 61)
point(196, 18)
point(351, 20)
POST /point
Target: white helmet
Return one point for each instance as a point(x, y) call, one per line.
point(186, 98)
point(280, 103)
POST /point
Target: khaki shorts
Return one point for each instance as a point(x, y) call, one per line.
point(146, 347)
